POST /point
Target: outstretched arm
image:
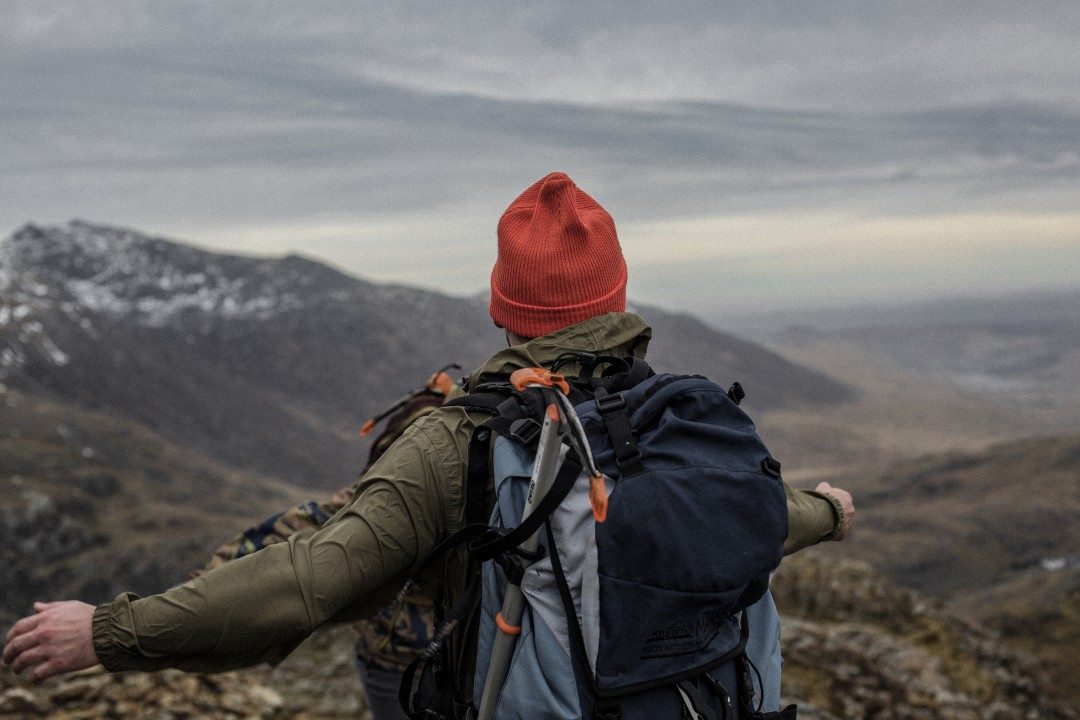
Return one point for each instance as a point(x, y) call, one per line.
point(56, 639)
point(825, 513)
point(259, 607)
point(278, 528)
point(313, 515)
point(843, 506)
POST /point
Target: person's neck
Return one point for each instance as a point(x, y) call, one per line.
point(513, 339)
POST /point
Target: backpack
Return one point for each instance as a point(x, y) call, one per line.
point(641, 610)
point(402, 413)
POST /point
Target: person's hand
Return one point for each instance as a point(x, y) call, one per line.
point(56, 639)
point(844, 497)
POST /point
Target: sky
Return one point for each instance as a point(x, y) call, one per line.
point(758, 156)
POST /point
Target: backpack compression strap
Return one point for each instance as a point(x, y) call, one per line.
point(434, 699)
point(612, 409)
point(509, 415)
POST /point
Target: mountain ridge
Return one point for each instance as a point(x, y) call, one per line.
point(269, 364)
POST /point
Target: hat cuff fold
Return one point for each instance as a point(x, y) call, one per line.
point(535, 320)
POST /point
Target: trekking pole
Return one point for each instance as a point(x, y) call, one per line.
point(439, 382)
point(545, 466)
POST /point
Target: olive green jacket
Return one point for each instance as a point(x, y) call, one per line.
point(260, 607)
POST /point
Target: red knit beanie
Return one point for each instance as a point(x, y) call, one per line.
point(559, 260)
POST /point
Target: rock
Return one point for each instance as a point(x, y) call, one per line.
point(268, 698)
point(233, 701)
point(854, 646)
point(23, 701)
point(858, 647)
point(86, 688)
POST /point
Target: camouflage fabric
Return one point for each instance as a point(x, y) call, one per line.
point(277, 528)
point(398, 632)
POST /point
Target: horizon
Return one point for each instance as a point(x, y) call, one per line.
point(834, 154)
point(881, 310)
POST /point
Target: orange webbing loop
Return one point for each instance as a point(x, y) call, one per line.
point(598, 498)
point(524, 377)
point(505, 626)
point(367, 427)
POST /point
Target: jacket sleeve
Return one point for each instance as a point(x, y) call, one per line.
point(812, 517)
point(261, 606)
point(278, 528)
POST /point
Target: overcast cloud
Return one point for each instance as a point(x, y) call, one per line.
point(786, 154)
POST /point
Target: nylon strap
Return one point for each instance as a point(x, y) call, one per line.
point(442, 695)
point(477, 477)
point(486, 402)
point(578, 656)
point(613, 410)
point(560, 488)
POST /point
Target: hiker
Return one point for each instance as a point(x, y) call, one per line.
point(558, 285)
point(391, 639)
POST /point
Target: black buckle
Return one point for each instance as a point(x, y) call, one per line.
point(608, 709)
point(526, 430)
point(736, 393)
point(509, 407)
point(515, 562)
point(771, 467)
point(610, 403)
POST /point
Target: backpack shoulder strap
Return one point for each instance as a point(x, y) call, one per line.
point(512, 414)
point(638, 372)
point(476, 475)
point(485, 402)
point(612, 408)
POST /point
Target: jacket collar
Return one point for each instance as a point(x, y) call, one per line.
point(619, 334)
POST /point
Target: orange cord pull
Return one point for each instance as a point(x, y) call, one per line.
point(524, 377)
point(505, 626)
point(367, 427)
point(441, 383)
point(598, 498)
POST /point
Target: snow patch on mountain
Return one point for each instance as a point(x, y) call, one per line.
point(61, 285)
point(22, 332)
point(88, 269)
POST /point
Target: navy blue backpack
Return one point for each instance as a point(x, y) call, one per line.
point(662, 609)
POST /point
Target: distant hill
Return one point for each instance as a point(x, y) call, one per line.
point(270, 364)
point(1024, 348)
point(1035, 307)
point(998, 511)
point(1035, 364)
point(91, 506)
point(994, 532)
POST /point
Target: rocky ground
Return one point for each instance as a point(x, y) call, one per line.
point(316, 681)
point(855, 647)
